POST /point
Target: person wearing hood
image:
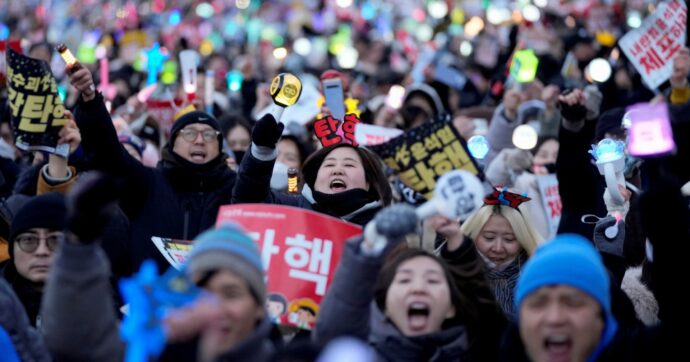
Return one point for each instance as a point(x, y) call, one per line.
point(421, 104)
point(407, 303)
point(340, 180)
point(181, 196)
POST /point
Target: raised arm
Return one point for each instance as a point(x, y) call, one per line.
point(99, 140)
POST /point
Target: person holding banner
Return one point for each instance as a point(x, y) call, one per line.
point(180, 197)
point(505, 239)
point(409, 304)
point(345, 181)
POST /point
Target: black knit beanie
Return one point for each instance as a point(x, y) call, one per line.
point(46, 211)
point(610, 121)
point(194, 117)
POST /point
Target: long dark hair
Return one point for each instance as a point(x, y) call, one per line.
point(379, 188)
point(465, 312)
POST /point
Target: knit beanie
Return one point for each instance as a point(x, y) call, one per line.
point(47, 211)
point(610, 121)
point(229, 248)
point(194, 117)
point(570, 260)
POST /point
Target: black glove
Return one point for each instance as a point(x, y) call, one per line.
point(576, 112)
point(396, 221)
point(607, 239)
point(267, 131)
point(91, 202)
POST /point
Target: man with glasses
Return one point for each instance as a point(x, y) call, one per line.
point(179, 198)
point(36, 233)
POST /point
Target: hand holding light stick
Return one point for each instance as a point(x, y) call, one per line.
point(457, 195)
point(73, 64)
point(285, 90)
point(610, 160)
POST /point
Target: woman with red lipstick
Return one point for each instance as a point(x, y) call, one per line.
point(341, 180)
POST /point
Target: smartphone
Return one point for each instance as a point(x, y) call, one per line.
point(650, 131)
point(395, 96)
point(335, 99)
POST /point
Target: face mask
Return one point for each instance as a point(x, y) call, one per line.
point(279, 180)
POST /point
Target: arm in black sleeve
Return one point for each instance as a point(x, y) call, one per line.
point(100, 140)
point(253, 184)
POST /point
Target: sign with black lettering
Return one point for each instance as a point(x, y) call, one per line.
point(35, 106)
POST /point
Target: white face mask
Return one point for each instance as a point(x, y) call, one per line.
point(279, 180)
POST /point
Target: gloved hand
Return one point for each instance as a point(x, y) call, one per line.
point(90, 205)
point(267, 131)
point(518, 160)
point(391, 225)
point(606, 239)
point(572, 105)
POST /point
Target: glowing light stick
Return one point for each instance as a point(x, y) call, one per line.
point(457, 195)
point(189, 60)
point(611, 231)
point(154, 62)
point(650, 130)
point(293, 181)
point(478, 147)
point(610, 159)
point(285, 90)
point(72, 62)
point(525, 137)
point(209, 85)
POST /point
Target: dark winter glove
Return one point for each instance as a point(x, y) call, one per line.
point(267, 131)
point(90, 205)
point(390, 226)
point(575, 112)
point(609, 236)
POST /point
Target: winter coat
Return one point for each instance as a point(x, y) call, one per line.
point(665, 217)
point(26, 340)
point(80, 322)
point(175, 200)
point(25, 290)
point(348, 310)
point(253, 185)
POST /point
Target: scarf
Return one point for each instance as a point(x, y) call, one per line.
point(190, 176)
point(342, 203)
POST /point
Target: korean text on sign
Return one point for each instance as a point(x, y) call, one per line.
point(652, 46)
point(424, 154)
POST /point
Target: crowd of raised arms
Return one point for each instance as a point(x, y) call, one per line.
point(339, 180)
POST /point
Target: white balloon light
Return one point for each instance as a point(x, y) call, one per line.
point(600, 70)
point(280, 53)
point(438, 9)
point(466, 48)
point(525, 137)
point(347, 58)
point(531, 13)
point(302, 46)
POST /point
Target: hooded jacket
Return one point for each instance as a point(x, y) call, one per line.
point(177, 199)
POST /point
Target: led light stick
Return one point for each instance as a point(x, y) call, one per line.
point(189, 60)
point(293, 181)
point(285, 90)
point(610, 159)
point(525, 137)
point(650, 130)
point(478, 146)
point(154, 62)
point(72, 63)
point(209, 84)
point(457, 195)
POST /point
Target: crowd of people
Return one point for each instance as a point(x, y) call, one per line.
point(148, 158)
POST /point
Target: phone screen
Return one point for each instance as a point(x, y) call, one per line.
point(335, 100)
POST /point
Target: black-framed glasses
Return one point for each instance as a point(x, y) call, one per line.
point(29, 242)
point(190, 134)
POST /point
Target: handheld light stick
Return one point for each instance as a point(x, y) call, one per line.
point(457, 195)
point(72, 62)
point(285, 90)
point(208, 90)
point(525, 137)
point(610, 160)
point(189, 59)
point(612, 230)
point(478, 146)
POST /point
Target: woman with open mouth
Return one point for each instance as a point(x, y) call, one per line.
point(340, 180)
point(409, 304)
point(505, 238)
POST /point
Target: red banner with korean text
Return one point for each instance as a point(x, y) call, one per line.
point(652, 46)
point(300, 250)
point(423, 154)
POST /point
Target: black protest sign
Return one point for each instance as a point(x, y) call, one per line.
point(423, 154)
point(36, 108)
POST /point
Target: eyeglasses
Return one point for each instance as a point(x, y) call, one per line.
point(28, 243)
point(190, 134)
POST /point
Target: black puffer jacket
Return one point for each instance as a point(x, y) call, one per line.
point(177, 199)
point(26, 340)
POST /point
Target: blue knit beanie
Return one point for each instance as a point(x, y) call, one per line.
point(570, 260)
point(229, 248)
